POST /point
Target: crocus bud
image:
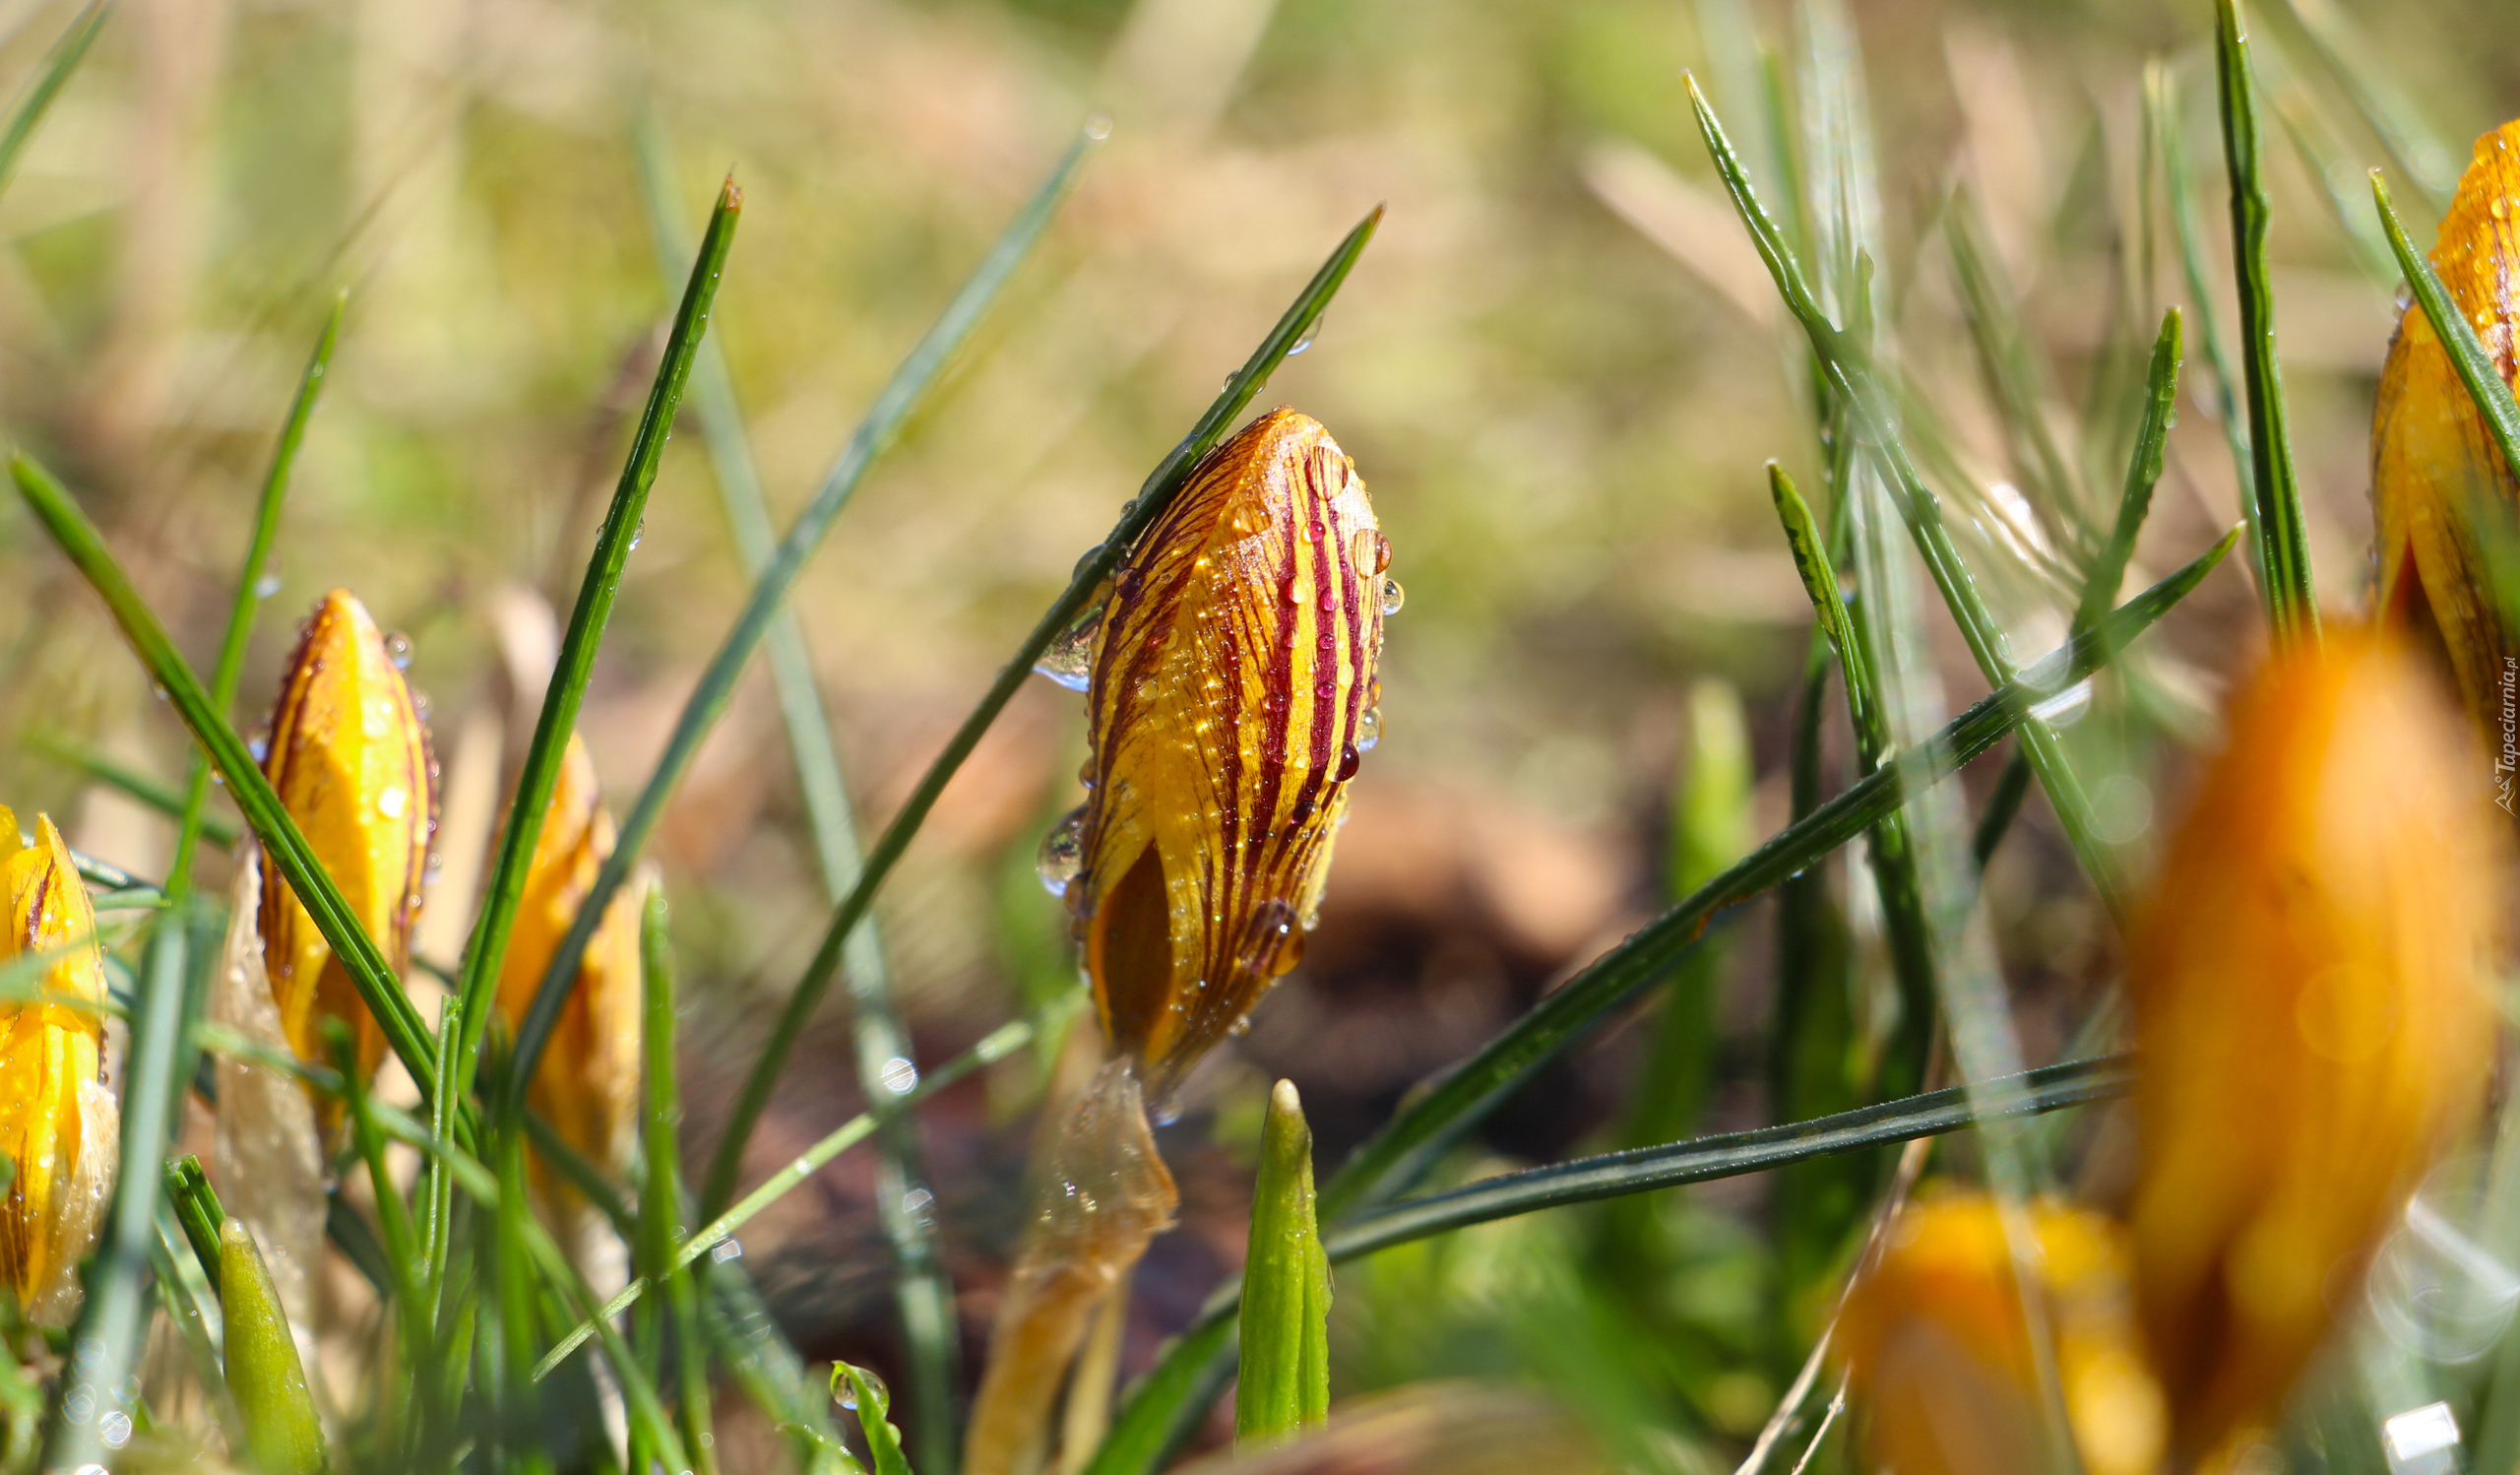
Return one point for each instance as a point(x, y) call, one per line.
point(1938, 1353)
point(59, 1127)
point(2434, 467)
point(1233, 694)
point(350, 761)
point(588, 1083)
point(2308, 1015)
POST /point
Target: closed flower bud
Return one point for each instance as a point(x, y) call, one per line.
point(588, 1083)
point(1233, 694)
point(2434, 467)
point(2308, 1016)
point(351, 763)
point(59, 1127)
point(1937, 1349)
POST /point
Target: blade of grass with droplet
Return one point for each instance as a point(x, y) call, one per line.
point(125, 779)
point(931, 1326)
point(62, 60)
point(539, 773)
point(2283, 552)
point(2177, 179)
point(96, 1385)
point(883, 1440)
point(2468, 354)
point(1162, 485)
point(193, 823)
point(1850, 371)
point(893, 406)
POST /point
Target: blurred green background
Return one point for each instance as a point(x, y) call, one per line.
point(1558, 368)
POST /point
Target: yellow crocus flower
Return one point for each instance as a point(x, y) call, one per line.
point(2434, 465)
point(588, 1083)
point(1939, 1355)
point(2308, 1016)
point(59, 1127)
point(351, 760)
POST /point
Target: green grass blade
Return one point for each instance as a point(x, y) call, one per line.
point(58, 64)
point(96, 1388)
point(283, 1435)
point(127, 781)
point(2003, 807)
point(2178, 180)
point(930, 1327)
point(2284, 553)
point(1168, 479)
point(1284, 1380)
point(993, 1046)
point(2142, 473)
point(883, 1440)
point(2468, 354)
point(2414, 147)
point(540, 771)
point(899, 398)
point(194, 824)
point(660, 1195)
point(1819, 574)
point(197, 1212)
point(1847, 365)
point(1397, 1153)
point(361, 957)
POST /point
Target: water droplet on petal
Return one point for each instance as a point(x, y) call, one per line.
point(1368, 728)
point(398, 649)
point(1062, 853)
point(1349, 761)
point(1392, 597)
point(1371, 549)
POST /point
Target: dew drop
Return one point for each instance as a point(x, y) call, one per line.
point(899, 1075)
point(1392, 597)
point(638, 532)
point(1368, 728)
point(1096, 551)
point(1069, 660)
point(398, 649)
point(1062, 853)
point(266, 586)
point(1371, 549)
point(261, 748)
point(394, 802)
point(729, 1250)
point(1311, 331)
point(1099, 127)
point(1270, 943)
point(1298, 591)
point(1349, 761)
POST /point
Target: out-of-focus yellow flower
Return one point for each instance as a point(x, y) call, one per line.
point(2434, 465)
point(350, 761)
point(1233, 694)
point(59, 1127)
point(588, 1083)
point(2308, 1016)
point(1938, 1353)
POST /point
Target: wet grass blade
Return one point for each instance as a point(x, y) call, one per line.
point(64, 58)
point(931, 1326)
point(1166, 480)
point(660, 1195)
point(193, 823)
point(197, 1212)
point(125, 779)
point(365, 963)
point(2284, 553)
point(96, 1388)
point(1847, 365)
point(2177, 179)
point(1284, 1380)
point(540, 771)
point(2468, 354)
point(883, 1440)
point(2142, 473)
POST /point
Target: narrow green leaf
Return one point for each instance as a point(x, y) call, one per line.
point(2284, 553)
point(195, 824)
point(2468, 354)
point(2142, 473)
point(660, 1190)
point(1284, 1380)
point(62, 60)
point(1168, 476)
point(197, 1211)
point(2178, 180)
point(283, 1435)
point(365, 963)
point(931, 1326)
point(1828, 597)
point(867, 1397)
point(2418, 152)
point(2002, 808)
point(541, 772)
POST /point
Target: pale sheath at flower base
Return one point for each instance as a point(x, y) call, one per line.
point(1232, 697)
point(1939, 1356)
point(350, 758)
point(588, 1084)
point(59, 1127)
point(2308, 1014)
point(2435, 466)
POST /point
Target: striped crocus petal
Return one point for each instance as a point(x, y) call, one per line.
point(59, 1127)
point(1231, 694)
point(2433, 466)
point(350, 760)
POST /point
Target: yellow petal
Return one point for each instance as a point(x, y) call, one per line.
point(1938, 1354)
point(588, 1083)
point(1232, 692)
point(2308, 1015)
point(2433, 464)
point(56, 1123)
point(350, 761)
